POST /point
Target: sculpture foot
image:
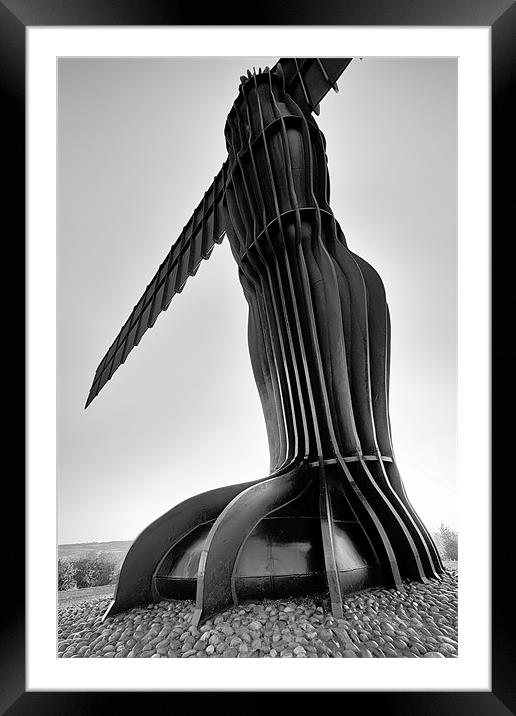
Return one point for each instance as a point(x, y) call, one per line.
point(303, 530)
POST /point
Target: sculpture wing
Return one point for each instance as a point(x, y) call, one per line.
point(309, 79)
point(204, 229)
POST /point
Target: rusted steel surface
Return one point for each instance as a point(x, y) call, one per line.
point(319, 340)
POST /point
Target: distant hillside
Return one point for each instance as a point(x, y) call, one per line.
point(66, 550)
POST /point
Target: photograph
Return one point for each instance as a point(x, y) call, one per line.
point(272, 472)
point(258, 354)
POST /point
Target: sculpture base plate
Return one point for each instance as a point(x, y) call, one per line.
point(282, 557)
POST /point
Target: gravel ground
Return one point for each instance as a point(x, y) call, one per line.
point(421, 622)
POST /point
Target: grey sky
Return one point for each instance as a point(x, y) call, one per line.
point(139, 142)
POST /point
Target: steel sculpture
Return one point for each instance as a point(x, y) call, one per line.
point(333, 513)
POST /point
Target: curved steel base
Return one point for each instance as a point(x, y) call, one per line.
point(296, 532)
point(282, 556)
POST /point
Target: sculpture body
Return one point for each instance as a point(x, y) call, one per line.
point(333, 513)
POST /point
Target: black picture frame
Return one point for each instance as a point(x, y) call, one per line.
point(500, 16)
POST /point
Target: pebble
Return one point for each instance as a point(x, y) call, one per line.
point(379, 623)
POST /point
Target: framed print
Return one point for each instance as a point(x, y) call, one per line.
point(110, 96)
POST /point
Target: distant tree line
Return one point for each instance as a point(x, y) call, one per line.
point(447, 542)
point(88, 570)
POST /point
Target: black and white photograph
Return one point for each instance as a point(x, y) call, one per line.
point(258, 358)
point(270, 471)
